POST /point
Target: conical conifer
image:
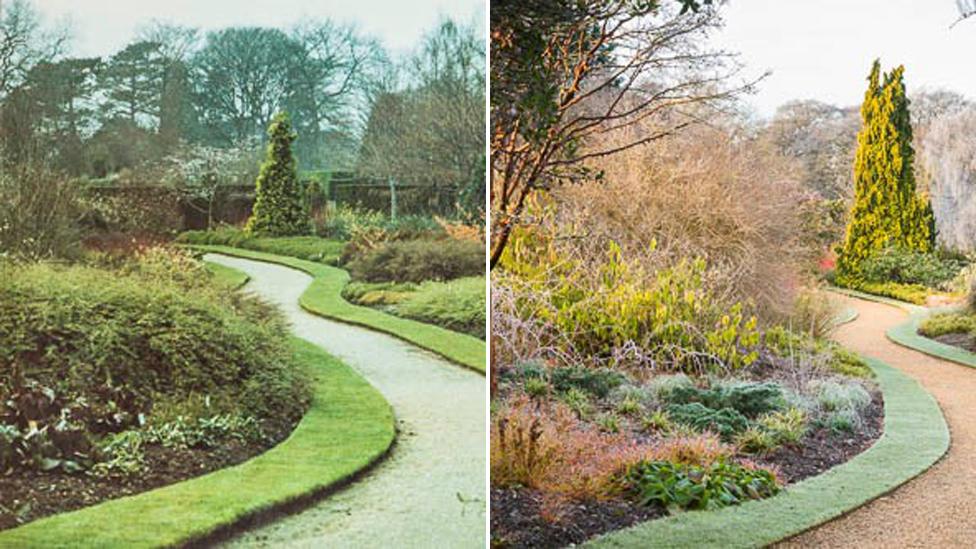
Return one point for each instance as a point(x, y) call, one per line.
point(887, 210)
point(280, 208)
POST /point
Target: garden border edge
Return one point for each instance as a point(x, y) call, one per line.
point(906, 334)
point(916, 436)
point(345, 409)
point(331, 283)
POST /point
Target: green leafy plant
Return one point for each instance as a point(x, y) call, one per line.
point(609, 423)
point(122, 454)
point(578, 402)
point(679, 486)
point(629, 406)
point(911, 267)
point(658, 421)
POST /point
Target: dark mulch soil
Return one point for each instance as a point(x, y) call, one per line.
point(516, 518)
point(964, 341)
point(30, 495)
point(823, 448)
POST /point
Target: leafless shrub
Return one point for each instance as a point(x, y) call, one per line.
point(712, 193)
point(39, 214)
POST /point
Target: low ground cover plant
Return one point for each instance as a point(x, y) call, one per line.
point(310, 248)
point(456, 304)
point(98, 363)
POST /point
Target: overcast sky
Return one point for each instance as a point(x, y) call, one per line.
point(101, 27)
point(823, 49)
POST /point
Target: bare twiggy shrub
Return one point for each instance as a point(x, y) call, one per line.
point(709, 193)
point(39, 214)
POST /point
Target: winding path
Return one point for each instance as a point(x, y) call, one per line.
point(430, 491)
point(937, 508)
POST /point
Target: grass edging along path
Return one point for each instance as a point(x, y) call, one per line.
point(324, 298)
point(907, 335)
point(348, 428)
point(915, 437)
point(231, 278)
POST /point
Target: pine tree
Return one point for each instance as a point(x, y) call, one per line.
point(279, 207)
point(887, 210)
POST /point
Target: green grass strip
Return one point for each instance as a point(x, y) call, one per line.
point(226, 276)
point(324, 298)
point(907, 335)
point(915, 437)
point(348, 428)
point(846, 316)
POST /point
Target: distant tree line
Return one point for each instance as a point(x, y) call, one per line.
point(174, 88)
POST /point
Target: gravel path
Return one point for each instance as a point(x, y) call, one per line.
point(936, 509)
point(431, 491)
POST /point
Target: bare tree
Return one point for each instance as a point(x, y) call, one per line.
point(25, 42)
point(823, 138)
point(177, 42)
point(430, 129)
point(949, 155)
point(564, 73)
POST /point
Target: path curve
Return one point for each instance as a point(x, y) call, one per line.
point(936, 508)
point(430, 491)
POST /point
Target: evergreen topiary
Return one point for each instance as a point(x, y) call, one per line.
point(887, 211)
point(280, 208)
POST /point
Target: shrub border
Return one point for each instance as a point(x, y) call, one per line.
point(915, 437)
point(324, 298)
point(907, 335)
point(348, 429)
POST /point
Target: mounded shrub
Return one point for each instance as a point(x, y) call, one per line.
point(86, 351)
point(725, 422)
point(749, 399)
point(596, 381)
point(419, 260)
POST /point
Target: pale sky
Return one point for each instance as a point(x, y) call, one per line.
point(101, 27)
point(823, 49)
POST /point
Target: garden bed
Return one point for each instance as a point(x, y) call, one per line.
point(964, 341)
point(518, 515)
point(31, 495)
